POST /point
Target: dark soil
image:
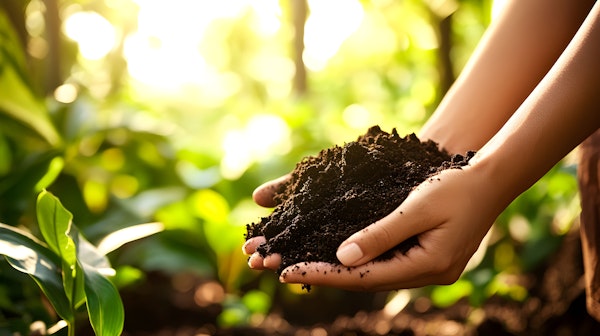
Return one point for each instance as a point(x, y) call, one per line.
point(343, 189)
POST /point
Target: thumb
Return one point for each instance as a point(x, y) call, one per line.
point(381, 236)
point(263, 195)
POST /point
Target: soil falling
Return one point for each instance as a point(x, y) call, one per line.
point(345, 188)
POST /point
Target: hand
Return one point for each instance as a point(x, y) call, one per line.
point(450, 212)
point(263, 196)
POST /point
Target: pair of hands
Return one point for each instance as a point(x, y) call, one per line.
point(450, 212)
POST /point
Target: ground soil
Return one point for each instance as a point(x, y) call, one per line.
point(345, 188)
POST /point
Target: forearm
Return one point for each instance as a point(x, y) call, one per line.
point(516, 52)
point(560, 113)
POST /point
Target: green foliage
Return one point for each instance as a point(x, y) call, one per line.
point(68, 270)
point(28, 255)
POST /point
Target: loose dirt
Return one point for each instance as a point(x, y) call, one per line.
point(345, 188)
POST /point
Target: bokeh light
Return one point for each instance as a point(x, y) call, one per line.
point(324, 35)
point(94, 34)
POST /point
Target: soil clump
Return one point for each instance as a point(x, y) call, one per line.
point(345, 188)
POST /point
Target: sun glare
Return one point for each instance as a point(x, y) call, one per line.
point(95, 36)
point(327, 27)
point(263, 136)
point(165, 52)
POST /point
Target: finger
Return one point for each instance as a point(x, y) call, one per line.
point(272, 261)
point(263, 195)
point(409, 219)
point(256, 261)
point(415, 269)
point(252, 244)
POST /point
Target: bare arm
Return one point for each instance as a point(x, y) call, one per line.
point(515, 53)
point(560, 113)
point(452, 213)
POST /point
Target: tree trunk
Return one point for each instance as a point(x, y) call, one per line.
point(446, 67)
point(589, 185)
point(53, 75)
point(299, 15)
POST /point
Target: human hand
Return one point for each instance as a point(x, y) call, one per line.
point(450, 212)
point(263, 196)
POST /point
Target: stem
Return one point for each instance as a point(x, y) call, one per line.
point(71, 324)
point(71, 328)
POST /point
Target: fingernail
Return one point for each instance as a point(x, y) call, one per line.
point(244, 248)
point(349, 254)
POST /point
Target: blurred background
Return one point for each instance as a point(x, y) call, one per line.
point(133, 111)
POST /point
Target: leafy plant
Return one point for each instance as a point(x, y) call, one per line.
point(69, 270)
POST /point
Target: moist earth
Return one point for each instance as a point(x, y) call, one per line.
point(345, 188)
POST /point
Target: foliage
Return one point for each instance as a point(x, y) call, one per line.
point(67, 269)
point(178, 124)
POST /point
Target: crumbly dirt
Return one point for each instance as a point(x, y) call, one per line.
point(345, 188)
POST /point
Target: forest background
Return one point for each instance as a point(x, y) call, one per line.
point(143, 111)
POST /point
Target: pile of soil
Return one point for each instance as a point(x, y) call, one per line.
point(345, 188)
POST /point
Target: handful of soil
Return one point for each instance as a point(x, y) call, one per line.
point(343, 190)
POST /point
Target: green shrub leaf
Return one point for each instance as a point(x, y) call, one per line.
point(55, 224)
point(17, 100)
point(26, 254)
point(104, 304)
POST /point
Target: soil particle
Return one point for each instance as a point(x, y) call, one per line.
point(345, 188)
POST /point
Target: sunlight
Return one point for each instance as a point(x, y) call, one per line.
point(497, 7)
point(24, 255)
point(397, 303)
point(268, 16)
point(92, 32)
point(327, 27)
point(356, 116)
point(264, 136)
point(119, 238)
point(164, 51)
point(66, 93)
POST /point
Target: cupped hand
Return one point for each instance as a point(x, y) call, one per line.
point(263, 196)
point(450, 212)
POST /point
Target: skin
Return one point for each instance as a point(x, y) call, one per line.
point(533, 90)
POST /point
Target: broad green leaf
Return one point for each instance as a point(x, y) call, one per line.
point(104, 304)
point(17, 100)
point(26, 254)
point(55, 224)
point(76, 285)
point(92, 256)
point(118, 238)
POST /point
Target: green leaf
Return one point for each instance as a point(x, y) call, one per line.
point(445, 296)
point(118, 238)
point(91, 255)
point(55, 224)
point(26, 254)
point(17, 100)
point(104, 304)
point(257, 301)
